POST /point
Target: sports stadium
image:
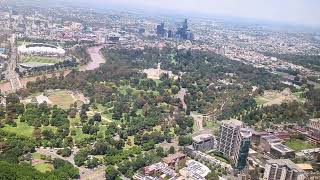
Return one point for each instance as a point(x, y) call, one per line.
point(41, 49)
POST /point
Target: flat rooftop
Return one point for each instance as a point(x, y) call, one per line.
point(285, 162)
point(282, 148)
point(232, 122)
point(271, 138)
point(202, 137)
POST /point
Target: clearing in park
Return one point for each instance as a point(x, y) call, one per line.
point(298, 144)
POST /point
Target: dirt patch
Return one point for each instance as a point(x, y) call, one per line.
point(276, 97)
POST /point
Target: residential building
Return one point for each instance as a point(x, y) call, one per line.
point(314, 128)
point(283, 169)
point(172, 159)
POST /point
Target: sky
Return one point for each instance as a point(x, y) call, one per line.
point(304, 12)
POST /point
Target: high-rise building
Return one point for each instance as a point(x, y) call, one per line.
point(234, 142)
point(183, 32)
point(160, 30)
point(283, 169)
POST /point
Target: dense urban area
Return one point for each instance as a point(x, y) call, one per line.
point(111, 95)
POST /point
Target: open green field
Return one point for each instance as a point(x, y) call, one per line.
point(298, 145)
point(44, 167)
point(131, 139)
point(36, 155)
point(22, 129)
point(80, 135)
point(61, 98)
point(40, 59)
point(260, 101)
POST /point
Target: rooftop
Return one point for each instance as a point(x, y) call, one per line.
point(232, 122)
point(202, 137)
point(282, 148)
point(271, 138)
point(285, 162)
point(173, 157)
point(245, 132)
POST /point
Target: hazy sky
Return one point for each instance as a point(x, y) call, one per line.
point(294, 11)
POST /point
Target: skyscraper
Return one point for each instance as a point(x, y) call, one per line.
point(160, 30)
point(234, 142)
point(183, 32)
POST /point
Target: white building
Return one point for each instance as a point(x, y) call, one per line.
point(283, 169)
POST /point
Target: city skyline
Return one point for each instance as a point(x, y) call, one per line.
point(299, 12)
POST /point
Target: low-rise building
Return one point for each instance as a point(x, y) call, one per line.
point(267, 141)
point(194, 170)
point(172, 159)
point(279, 150)
point(283, 169)
point(204, 142)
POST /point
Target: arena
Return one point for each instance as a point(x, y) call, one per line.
point(41, 49)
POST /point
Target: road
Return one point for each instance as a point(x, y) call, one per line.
point(12, 75)
point(181, 94)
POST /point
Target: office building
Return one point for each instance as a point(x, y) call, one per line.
point(242, 148)
point(234, 142)
point(283, 169)
point(161, 32)
point(203, 142)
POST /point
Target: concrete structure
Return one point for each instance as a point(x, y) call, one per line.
point(267, 141)
point(279, 150)
point(308, 153)
point(41, 49)
point(234, 142)
point(204, 142)
point(313, 135)
point(283, 169)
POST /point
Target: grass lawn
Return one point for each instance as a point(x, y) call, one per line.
point(40, 59)
point(53, 128)
point(22, 129)
point(62, 99)
point(131, 138)
point(298, 145)
point(211, 124)
point(36, 155)
point(75, 121)
point(80, 135)
point(260, 101)
point(102, 130)
point(44, 167)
